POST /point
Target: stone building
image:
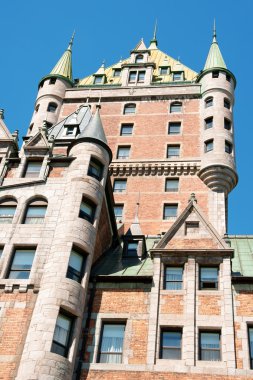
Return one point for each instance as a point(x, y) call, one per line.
point(115, 262)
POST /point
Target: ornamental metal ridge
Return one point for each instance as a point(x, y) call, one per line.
point(154, 168)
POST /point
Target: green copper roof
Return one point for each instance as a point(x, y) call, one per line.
point(63, 67)
point(214, 58)
point(95, 129)
point(242, 263)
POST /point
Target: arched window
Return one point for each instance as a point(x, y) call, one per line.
point(129, 109)
point(176, 107)
point(35, 212)
point(209, 102)
point(139, 58)
point(7, 210)
point(51, 107)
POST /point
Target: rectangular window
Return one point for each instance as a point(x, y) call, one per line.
point(173, 278)
point(70, 131)
point(123, 152)
point(250, 334)
point(173, 151)
point(227, 124)
point(95, 169)
point(21, 263)
point(116, 73)
point(118, 212)
point(98, 80)
point(208, 146)
point(126, 130)
point(119, 185)
point(35, 214)
point(215, 74)
point(170, 211)
point(176, 107)
point(111, 346)
point(177, 76)
point(171, 343)
point(131, 248)
point(62, 334)
point(132, 76)
point(209, 123)
point(228, 147)
point(228, 77)
point(210, 346)
point(76, 266)
point(141, 76)
point(209, 278)
point(33, 169)
point(87, 210)
point(163, 70)
point(7, 214)
point(174, 128)
point(171, 185)
point(209, 102)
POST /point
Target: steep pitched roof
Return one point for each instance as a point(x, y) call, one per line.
point(95, 129)
point(4, 131)
point(63, 67)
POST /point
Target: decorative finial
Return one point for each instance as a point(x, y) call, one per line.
point(192, 198)
point(1, 113)
point(155, 30)
point(214, 31)
point(71, 41)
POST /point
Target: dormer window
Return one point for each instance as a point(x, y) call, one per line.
point(177, 76)
point(163, 70)
point(98, 79)
point(71, 131)
point(132, 76)
point(139, 58)
point(52, 80)
point(116, 73)
point(141, 76)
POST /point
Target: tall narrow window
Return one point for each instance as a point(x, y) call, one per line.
point(87, 210)
point(170, 211)
point(141, 76)
point(139, 58)
point(176, 107)
point(209, 123)
point(76, 266)
point(228, 147)
point(209, 278)
point(116, 73)
point(95, 169)
point(132, 76)
point(111, 346)
point(7, 211)
point(210, 346)
point(173, 278)
point(163, 70)
point(209, 102)
point(171, 185)
point(52, 107)
point(227, 124)
point(173, 151)
point(35, 213)
point(131, 248)
point(250, 334)
point(208, 145)
point(129, 109)
point(174, 128)
point(123, 152)
point(21, 263)
point(118, 212)
point(171, 342)
point(33, 169)
point(119, 185)
point(62, 334)
point(126, 130)
point(227, 103)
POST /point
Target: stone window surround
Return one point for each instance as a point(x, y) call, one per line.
point(31, 157)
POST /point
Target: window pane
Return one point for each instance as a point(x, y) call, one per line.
point(141, 76)
point(87, 209)
point(173, 151)
point(123, 152)
point(209, 102)
point(176, 107)
point(33, 169)
point(208, 146)
point(98, 80)
point(173, 278)
point(210, 346)
point(170, 211)
point(61, 335)
point(126, 129)
point(36, 211)
point(117, 72)
point(174, 128)
point(6, 214)
point(132, 76)
point(172, 185)
point(171, 344)
point(95, 169)
point(163, 70)
point(112, 343)
point(76, 261)
point(119, 185)
point(251, 345)
point(208, 123)
point(177, 76)
point(130, 108)
point(139, 58)
point(21, 264)
point(118, 211)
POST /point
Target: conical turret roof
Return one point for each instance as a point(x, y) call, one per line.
point(214, 58)
point(63, 67)
point(153, 42)
point(95, 129)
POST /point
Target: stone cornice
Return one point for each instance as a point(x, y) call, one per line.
point(153, 168)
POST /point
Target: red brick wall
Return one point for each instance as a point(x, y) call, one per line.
point(172, 304)
point(139, 342)
point(209, 305)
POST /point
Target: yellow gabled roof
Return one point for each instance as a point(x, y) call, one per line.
point(156, 56)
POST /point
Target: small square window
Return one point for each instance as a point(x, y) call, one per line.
point(171, 185)
point(171, 343)
point(21, 263)
point(52, 81)
point(95, 169)
point(126, 130)
point(33, 169)
point(227, 124)
point(227, 103)
point(173, 278)
point(70, 131)
point(116, 73)
point(177, 76)
point(132, 76)
point(209, 278)
point(139, 58)
point(131, 248)
point(62, 334)
point(209, 123)
point(209, 102)
point(170, 211)
point(111, 346)
point(176, 107)
point(174, 128)
point(118, 212)
point(129, 109)
point(209, 346)
point(208, 146)
point(163, 70)
point(87, 210)
point(123, 152)
point(119, 185)
point(173, 151)
point(98, 79)
point(76, 266)
point(141, 76)
point(215, 74)
point(228, 147)
point(52, 107)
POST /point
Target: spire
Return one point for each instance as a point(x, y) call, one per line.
point(95, 129)
point(101, 70)
point(153, 42)
point(63, 67)
point(214, 58)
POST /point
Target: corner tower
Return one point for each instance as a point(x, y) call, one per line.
point(51, 92)
point(218, 168)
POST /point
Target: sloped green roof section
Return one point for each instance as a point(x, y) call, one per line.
point(63, 67)
point(242, 263)
point(214, 58)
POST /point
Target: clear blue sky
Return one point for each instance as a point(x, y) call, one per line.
point(34, 35)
